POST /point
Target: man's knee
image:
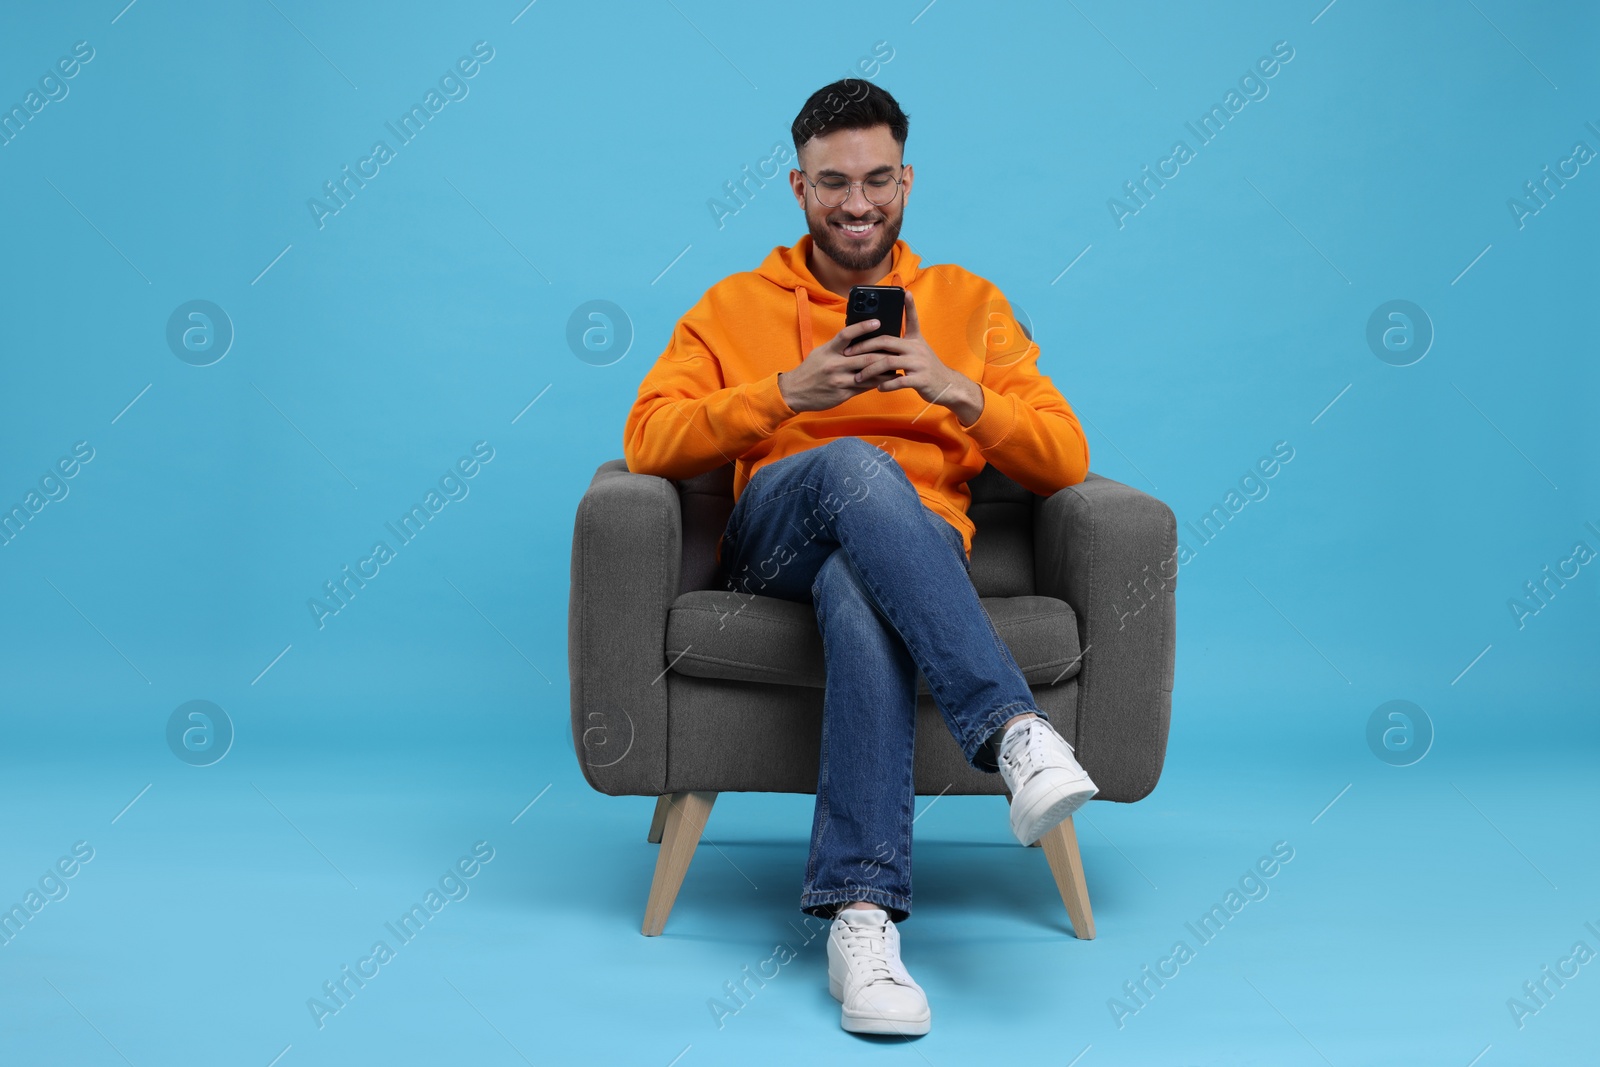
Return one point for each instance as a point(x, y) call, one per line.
point(855, 467)
point(854, 451)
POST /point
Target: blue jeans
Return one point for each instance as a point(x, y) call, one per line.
point(841, 526)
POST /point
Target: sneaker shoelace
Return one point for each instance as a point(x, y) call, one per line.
point(1025, 750)
point(868, 945)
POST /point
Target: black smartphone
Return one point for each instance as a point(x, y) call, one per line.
point(886, 303)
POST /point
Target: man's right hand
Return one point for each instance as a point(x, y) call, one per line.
point(826, 378)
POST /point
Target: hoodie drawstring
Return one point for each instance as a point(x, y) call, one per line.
point(802, 311)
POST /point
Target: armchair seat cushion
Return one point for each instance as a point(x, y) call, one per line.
point(728, 635)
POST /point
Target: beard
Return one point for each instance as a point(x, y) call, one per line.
point(853, 255)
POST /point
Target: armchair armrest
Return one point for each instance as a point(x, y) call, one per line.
point(1111, 552)
point(626, 555)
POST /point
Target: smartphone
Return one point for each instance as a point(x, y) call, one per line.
point(886, 303)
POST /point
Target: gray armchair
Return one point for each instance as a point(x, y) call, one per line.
point(682, 690)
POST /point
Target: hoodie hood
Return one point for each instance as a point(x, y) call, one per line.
point(786, 267)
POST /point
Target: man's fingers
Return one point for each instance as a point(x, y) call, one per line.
point(866, 363)
point(883, 366)
point(854, 330)
point(883, 343)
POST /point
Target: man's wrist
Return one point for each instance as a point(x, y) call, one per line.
point(968, 406)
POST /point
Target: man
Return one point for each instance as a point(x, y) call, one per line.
point(850, 467)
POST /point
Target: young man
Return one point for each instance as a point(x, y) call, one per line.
point(850, 467)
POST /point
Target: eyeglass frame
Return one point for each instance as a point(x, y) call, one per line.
point(899, 187)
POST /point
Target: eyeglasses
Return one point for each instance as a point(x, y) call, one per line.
point(832, 191)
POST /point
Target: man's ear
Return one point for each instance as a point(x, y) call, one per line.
point(797, 185)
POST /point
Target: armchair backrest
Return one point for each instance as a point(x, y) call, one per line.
point(1002, 547)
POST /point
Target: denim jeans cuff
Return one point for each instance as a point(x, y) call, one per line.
point(825, 903)
point(982, 754)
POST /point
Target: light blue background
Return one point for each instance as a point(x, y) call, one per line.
point(427, 315)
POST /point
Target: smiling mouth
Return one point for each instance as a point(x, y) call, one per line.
point(858, 231)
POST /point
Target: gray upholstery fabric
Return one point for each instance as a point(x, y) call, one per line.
point(626, 551)
point(784, 724)
point(1111, 552)
point(707, 503)
point(763, 639)
point(739, 708)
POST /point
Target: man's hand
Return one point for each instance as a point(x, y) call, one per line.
point(924, 371)
point(827, 377)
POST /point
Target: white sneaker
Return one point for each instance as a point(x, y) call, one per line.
point(1047, 785)
point(865, 975)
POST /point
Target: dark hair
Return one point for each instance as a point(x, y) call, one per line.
point(849, 104)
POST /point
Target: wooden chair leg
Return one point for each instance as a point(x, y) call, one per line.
point(1061, 849)
point(658, 821)
point(687, 813)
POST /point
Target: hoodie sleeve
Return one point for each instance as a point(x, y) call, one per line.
point(686, 422)
point(1026, 429)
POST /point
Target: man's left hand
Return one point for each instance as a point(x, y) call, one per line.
point(924, 371)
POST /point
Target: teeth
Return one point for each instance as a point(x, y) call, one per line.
point(861, 228)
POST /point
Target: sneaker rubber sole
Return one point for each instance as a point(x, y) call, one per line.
point(1046, 811)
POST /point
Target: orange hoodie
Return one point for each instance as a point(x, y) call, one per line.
point(713, 398)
